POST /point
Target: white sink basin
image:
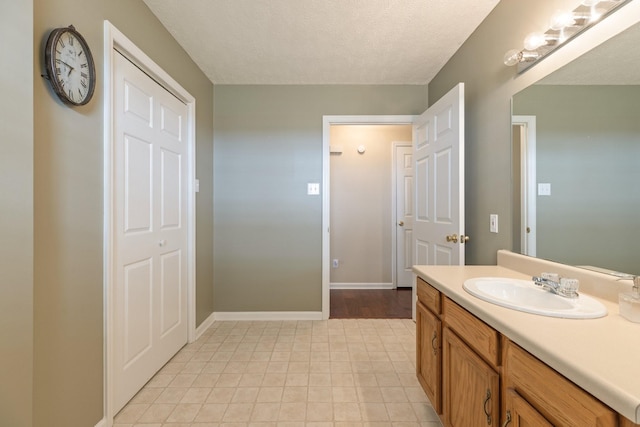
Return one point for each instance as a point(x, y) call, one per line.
point(524, 295)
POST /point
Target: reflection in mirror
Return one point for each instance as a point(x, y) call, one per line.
point(580, 160)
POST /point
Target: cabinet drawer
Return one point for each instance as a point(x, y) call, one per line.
point(428, 295)
point(556, 398)
point(478, 335)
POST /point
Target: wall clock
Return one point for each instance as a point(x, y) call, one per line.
point(70, 67)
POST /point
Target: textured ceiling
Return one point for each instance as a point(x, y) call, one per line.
point(321, 41)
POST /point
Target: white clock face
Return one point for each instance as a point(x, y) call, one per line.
point(72, 68)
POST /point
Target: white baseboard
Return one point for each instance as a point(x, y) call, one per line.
point(205, 325)
point(361, 286)
point(102, 423)
point(268, 315)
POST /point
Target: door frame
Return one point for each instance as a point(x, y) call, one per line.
point(327, 122)
point(116, 40)
point(528, 191)
point(394, 209)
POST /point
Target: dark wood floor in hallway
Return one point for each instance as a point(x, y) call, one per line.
point(370, 303)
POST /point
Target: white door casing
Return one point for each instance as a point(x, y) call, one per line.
point(527, 181)
point(438, 151)
point(404, 209)
point(149, 218)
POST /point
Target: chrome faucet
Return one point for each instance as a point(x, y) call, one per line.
point(557, 285)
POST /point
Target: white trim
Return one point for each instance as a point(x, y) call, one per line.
point(114, 39)
point(268, 315)
point(362, 286)
point(394, 209)
point(327, 121)
point(102, 423)
point(528, 188)
point(202, 328)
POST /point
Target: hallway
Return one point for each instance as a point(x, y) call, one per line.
point(343, 373)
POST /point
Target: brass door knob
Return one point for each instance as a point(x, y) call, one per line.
point(452, 238)
point(464, 238)
point(401, 223)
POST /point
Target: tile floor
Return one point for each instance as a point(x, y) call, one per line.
point(342, 373)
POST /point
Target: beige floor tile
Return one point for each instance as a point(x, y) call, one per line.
point(346, 411)
point(400, 412)
point(319, 380)
point(171, 395)
point(335, 373)
point(157, 412)
point(319, 411)
point(245, 395)
point(373, 412)
point(131, 413)
point(196, 395)
point(184, 412)
point(320, 394)
point(292, 411)
point(294, 394)
point(238, 412)
point(211, 412)
point(264, 411)
point(221, 395)
point(270, 394)
point(344, 394)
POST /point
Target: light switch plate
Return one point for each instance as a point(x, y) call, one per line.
point(544, 189)
point(313, 189)
point(493, 223)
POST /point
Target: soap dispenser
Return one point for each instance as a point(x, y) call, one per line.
point(629, 302)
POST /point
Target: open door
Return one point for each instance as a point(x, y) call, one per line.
point(438, 153)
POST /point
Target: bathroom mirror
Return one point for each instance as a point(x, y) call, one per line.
point(583, 207)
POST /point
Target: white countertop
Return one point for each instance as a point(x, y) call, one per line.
point(602, 356)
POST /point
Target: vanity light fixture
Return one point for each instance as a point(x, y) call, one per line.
point(564, 25)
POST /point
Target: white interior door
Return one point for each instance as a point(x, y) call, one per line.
point(438, 155)
point(150, 228)
point(403, 180)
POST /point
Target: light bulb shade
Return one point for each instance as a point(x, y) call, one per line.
point(534, 41)
point(512, 57)
point(561, 19)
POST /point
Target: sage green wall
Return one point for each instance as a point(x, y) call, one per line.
point(489, 86)
point(68, 281)
point(16, 214)
point(267, 147)
point(587, 147)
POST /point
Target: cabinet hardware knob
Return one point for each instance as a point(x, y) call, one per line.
point(508, 420)
point(486, 400)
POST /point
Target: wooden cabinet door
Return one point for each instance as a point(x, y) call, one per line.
point(471, 388)
point(429, 355)
point(519, 413)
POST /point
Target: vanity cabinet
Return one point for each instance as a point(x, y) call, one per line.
point(428, 343)
point(474, 376)
point(534, 391)
point(470, 363)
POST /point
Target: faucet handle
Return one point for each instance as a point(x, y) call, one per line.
point(554, 277)
point(569, 286)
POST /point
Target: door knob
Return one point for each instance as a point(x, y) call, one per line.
point(162, 242)
point(452, 238)
point(464, 239)
point(401, 223)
